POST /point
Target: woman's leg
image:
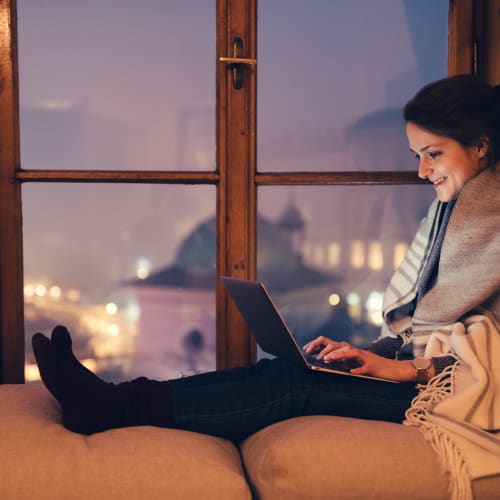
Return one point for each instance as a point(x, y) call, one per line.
point(88, 404)
point(236, 403)
point(232, 403)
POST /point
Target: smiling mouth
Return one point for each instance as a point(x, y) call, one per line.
point(439, 181)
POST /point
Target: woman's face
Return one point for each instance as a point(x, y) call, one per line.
point(445, 162)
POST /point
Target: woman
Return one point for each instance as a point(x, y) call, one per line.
point(450, 273)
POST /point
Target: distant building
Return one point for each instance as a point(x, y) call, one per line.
point(177, 303)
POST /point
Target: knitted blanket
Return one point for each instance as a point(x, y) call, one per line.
point(459, 410)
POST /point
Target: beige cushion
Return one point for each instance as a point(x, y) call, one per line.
point(324, 457)
point(42, 460)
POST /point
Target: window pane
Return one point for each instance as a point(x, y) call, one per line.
point(327, 253)
point(130, 269)
point(333, 76)
point(117, 84)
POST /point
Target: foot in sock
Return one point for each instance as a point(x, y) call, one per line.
point(80, 393)
point(61, 339)
point(89, 404)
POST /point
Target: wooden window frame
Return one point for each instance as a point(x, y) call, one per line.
point(472, 49)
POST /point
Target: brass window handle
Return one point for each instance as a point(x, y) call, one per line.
point(235, 62)
point(238, 60)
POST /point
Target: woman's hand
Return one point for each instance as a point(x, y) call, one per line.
point(370, 363)
point(323, 346)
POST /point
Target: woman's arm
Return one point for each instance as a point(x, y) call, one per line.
point(371, 363)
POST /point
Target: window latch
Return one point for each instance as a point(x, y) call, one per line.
point(235, 62)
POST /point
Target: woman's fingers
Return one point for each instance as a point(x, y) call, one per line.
point(369, 363)
point(316, 344)
point(345, 351)
point(330, 348)
point(324, 345)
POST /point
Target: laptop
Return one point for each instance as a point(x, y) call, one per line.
point(271, 331)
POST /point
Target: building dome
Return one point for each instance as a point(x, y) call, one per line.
point(197, 251)
point(278, 264)
point(292, 219)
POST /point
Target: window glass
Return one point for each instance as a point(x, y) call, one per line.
point(334, 75)
point(327, 253)
point(129, 269)
point(117, 84)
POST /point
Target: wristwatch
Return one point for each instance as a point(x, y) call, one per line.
point(422, 366)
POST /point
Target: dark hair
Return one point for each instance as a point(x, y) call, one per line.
point(462, 107)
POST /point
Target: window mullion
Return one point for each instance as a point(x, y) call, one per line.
point(236, 203)
point(461, 37)
point(11, 275)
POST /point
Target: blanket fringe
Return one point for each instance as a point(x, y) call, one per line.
point(438, 389)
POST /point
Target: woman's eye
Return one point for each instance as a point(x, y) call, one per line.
point(417, 157)
point(434, 155)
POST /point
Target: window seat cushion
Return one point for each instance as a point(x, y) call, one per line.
point(324, 457)
point(42, 460)
point(320, 457)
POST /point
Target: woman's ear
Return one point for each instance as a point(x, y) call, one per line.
point(483, 146)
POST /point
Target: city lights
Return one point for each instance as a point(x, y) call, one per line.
point(55, 292)
point(400, 250)
point(55, 104)
point(39, 290)
point(334, 254)
point(143, 268)
point(113, 330)
point(334, 299)
point(31, 373)
point(353, 299)
point(357, 254)
point(374, 307)
point(354, 305)
point(375, 256)
point(111, 308)
point(73, 295)
point(133, 312)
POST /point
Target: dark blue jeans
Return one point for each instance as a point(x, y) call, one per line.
point(238, 402)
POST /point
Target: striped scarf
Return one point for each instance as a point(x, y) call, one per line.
point(467, 279)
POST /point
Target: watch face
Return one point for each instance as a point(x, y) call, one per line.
point(421, 363)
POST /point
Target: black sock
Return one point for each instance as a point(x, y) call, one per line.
point(61, 339)
point(89, 404)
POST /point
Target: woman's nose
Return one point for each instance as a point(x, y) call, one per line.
point(424, 169)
